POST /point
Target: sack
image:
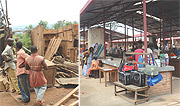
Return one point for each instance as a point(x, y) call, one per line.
point(124, 77)
point(130, 67)
point(152, 81)
point(140, 60)
point(151, 70)
point(121, 65)
point(138, 78)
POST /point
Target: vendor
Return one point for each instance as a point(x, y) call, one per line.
point(138, 50)
point(94, 66)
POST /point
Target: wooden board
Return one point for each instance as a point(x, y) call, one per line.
point(63, 100)
point(52, 48)
point(15, 96)
point(66, 81)
point(37, 38)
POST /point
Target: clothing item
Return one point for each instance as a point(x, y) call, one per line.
point(21, 56)
point(37, 78)
point(9, 54)
point(24, 87)
point(13, 80)
point(40, 92)
point(94, 66)
point(138, 51)
point(89, 59)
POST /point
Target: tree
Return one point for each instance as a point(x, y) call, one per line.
point(44, 23)
point(63, 23)
point(30, 27)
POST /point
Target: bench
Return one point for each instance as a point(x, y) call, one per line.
point(132, 88)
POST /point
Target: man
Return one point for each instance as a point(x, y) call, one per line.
point(35, 63)
point(10, 66)
point(22, 73)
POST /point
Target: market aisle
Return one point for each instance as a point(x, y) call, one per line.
point(94, 93)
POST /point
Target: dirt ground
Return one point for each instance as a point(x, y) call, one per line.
point(52, 96)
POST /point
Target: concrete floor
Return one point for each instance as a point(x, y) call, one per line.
point(93, 93)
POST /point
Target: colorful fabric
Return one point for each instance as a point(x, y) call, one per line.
point(138, 51)
point(21, 56)
point(37, 78)
point(13, 80)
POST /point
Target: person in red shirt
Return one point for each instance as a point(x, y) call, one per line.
point(138, 50)
point(35, 63)
point(22, 73)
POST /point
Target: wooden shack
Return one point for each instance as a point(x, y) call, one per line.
point(67, 37)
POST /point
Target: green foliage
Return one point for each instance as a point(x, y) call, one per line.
point(44, 23)
point(30, 27)
point(24, 38)
point(63, 23)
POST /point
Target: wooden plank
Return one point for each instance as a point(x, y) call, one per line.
point(37, 39)
point(136, 62)
point(63, 100)
point(52, 47)
point(137, 53)
point(74, 103)
point(76, 96)
point(49, 48)
point(15, 96)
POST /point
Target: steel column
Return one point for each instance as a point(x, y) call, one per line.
point(170, 38)
point(125, 33)
point(110, 36)
point(163, 35)
point(104, 35)
point(127, 39)
point(160, 34)
point(133, 31)
point(145, 29)
point(84, 37)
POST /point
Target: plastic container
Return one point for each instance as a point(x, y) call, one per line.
point(162, 59)
point(166, 59)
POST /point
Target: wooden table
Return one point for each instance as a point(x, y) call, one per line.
point(132, 88)
point(107, 69)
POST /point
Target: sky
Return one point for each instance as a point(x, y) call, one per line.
point(26, 12)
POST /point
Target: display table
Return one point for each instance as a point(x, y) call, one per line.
point(137, 91)
point(176, 63)
point(163, 87)
point(107, 69)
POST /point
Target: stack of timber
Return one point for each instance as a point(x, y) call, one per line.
point(52, 47)
point(64, 68)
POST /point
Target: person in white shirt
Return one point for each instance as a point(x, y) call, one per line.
point(10, 65)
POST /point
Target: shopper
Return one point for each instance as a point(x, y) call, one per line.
point(10, 65)
point(35, 64)
point(22, 73)
point(89, 56)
